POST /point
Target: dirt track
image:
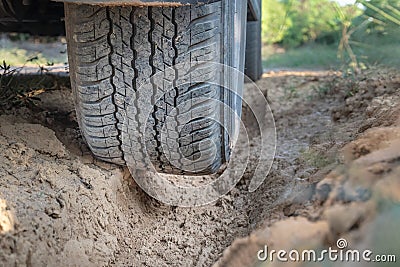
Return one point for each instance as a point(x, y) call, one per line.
point(60, 206)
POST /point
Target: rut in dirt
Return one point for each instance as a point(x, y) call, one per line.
point(61, 204)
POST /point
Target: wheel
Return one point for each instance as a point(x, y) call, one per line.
point(122, 111)
point(253, 65)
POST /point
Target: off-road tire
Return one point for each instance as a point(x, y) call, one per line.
point(253, 65)
point(113, 51)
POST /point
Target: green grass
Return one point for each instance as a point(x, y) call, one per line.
point(310, 56)
point(19, 57)
point(29, 51)
point(385, 54)
point(318, 56)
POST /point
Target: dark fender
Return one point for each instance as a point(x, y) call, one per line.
point(254, 10)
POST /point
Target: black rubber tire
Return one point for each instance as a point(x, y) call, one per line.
point(253, 65)
point(113, 51)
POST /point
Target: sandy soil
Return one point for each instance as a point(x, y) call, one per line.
point(335, 174)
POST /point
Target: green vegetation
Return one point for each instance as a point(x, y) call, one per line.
point(310, 56)
point(292, 23)
point(25, 50)
point(19, 57)
point(317, 56)
point(322, 34)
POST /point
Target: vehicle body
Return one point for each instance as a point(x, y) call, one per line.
point(147, 76)
point(44, 17)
